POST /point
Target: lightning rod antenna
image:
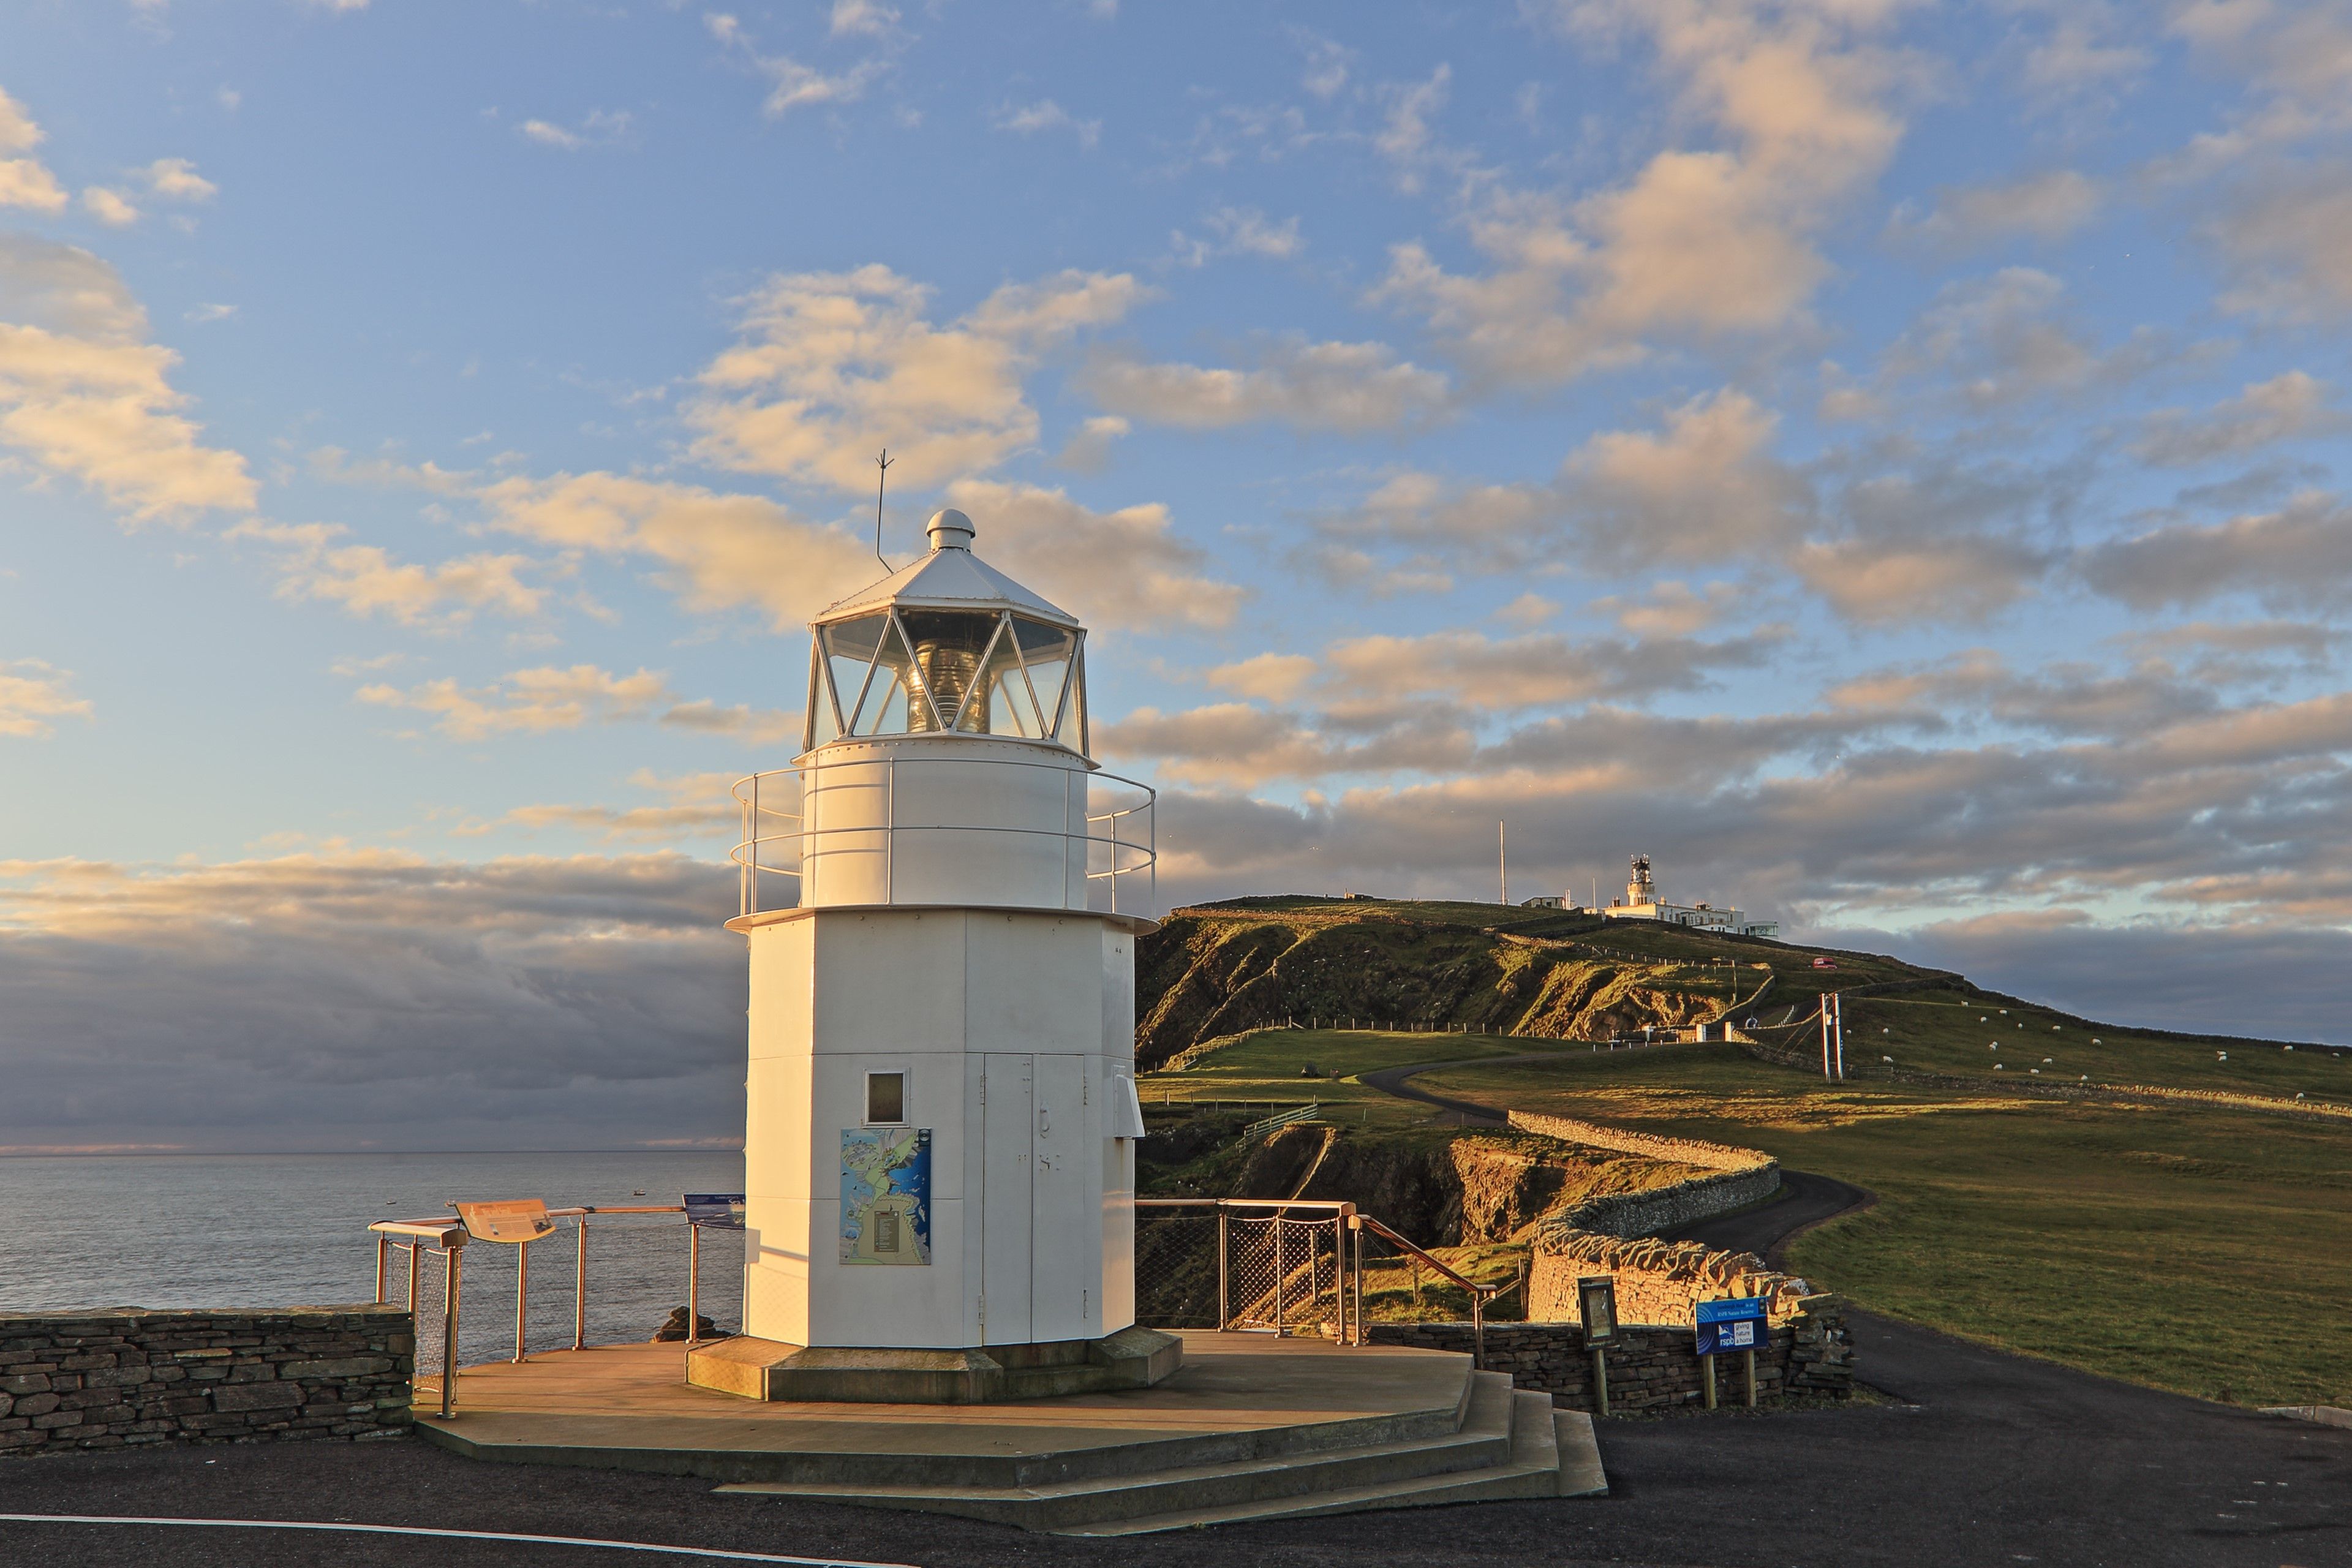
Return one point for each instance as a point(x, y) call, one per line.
point(881, 480)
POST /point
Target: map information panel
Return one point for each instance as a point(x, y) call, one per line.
point(886, 1195)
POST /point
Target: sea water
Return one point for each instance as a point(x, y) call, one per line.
point(284, 1230)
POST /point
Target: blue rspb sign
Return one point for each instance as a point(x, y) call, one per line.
point(1725, 1327)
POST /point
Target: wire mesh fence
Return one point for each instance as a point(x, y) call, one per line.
point(1211, 1263)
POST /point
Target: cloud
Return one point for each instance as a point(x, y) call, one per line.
point(1703, 487)
point(2287, 236)
point(2300, 554)
point(1670, 609)
point(365, 580)
point(795, 86)
point(694, 805)
point(714, 550)
point(108, 207)
point(2286, 407)
point(1270, 676)
point(83, 394)
point(1881, 581)
point(32, 694)
point(833, 365)
point(546, 698)
point(1700, 243)
point(1406, 138)
point(176, 180)
point(2047, 206)
point(330, 1000)
point(863, 18)
point(1241, 231)
point(1348, 387)
point(1089, 451)
point(1115, 570)
point(1028, 120)
point(25, 182)
point(601, 128)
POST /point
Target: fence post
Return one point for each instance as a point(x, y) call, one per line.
point(580, 1290)
point(382, 1256)
point(1281, 1278)
point(1223, 1315)
point(449, 1288)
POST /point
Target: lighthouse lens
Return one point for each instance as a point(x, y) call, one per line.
point(949, 646)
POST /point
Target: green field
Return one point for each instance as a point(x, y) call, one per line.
point(1946, 1034)
point(2203, 1250)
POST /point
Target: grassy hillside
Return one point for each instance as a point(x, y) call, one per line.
point(2192, 1247)
point(1222, 969)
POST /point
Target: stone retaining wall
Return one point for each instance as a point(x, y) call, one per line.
point(77, 1381)
point(1740, 1177)
point(1651, 1368)
point(1658, 1283)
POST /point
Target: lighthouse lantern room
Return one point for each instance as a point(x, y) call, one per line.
point(941, 900)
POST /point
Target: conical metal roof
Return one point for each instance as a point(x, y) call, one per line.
point(950, 578)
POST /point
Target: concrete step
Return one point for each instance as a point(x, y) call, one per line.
point(1580, 1474)
point(887, 1469)
point(1486, 1440)
point(1533, 1470)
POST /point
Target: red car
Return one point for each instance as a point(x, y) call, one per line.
point(1825, 963)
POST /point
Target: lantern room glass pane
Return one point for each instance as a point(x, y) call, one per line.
point(849, 648)
point(818, 725)
point(892, 690)
point(1005, 709)
point(1048, 650)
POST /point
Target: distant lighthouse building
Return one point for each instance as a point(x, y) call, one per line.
point(1643, 903)
point(941, 903)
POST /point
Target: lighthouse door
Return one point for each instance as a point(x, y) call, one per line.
point(1066, 1224)
point(1007, 1179)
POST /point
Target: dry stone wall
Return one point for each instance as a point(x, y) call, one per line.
point(1737, 1177)
point(1657, 1281)
point(81, 1381)
point(1651, 1368)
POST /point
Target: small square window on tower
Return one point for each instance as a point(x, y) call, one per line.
point(885, 1098)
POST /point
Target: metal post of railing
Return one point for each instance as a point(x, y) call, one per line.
point(1478, 1331)
point(522, 1293)
point(580, 1290)
point(382, 1258)
point(1223, 1315)
point(749, 887)
point(411, 1285)
point(1357, 1226)
point(449, 1257)
point(1281, 1281)
point(693, 1284)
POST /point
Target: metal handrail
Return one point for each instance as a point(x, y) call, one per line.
point(445, 1235)
point(1479, 1294)
point(1126, 856)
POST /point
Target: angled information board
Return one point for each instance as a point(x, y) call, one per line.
point(723, 1211)
point(1725, 1327)
point(508, 1219)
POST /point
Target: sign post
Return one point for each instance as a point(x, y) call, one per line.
point(1722, 1327)
point(1597, 1297)
point(719, 1210)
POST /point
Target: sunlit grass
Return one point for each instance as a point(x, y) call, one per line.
point(2198, 1250)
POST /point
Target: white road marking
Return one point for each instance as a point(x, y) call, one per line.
point(449, 1534)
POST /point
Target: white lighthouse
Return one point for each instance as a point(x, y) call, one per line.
point(941, 902)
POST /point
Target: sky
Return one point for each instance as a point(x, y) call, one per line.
point(1883, 460)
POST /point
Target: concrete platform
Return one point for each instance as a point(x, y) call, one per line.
point(768, 1368)
point(1251, 1426)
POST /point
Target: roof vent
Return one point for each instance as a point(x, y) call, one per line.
point(949, 529)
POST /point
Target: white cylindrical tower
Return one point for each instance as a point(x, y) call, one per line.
point(940, 902)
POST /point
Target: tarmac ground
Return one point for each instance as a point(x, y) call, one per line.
point(1975, 1459)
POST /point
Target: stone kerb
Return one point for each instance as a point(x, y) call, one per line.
point(83, 1381)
